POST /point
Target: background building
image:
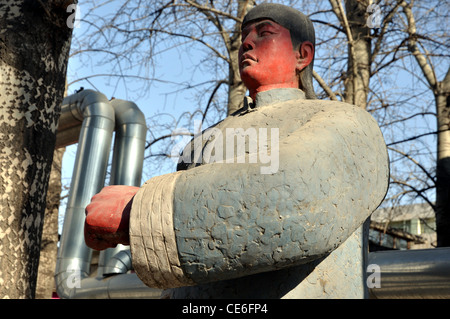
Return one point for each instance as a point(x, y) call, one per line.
point(403, 227)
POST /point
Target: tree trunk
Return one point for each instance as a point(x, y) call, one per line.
point(34, 47)
point(441, 91)
point(353, 21)
point(47, 261)
point(237, 89)
point(442, 97)
point(358, 72)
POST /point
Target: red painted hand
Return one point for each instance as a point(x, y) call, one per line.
point(108, 217)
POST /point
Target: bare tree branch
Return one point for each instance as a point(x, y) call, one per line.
point(324, 86)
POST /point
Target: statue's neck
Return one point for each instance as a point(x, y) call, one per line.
point(278, 95)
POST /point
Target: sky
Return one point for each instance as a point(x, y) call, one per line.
point(154, 102)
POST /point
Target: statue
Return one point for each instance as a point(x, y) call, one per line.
point(277, 215)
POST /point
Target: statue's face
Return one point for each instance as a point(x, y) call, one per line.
point(267, 59)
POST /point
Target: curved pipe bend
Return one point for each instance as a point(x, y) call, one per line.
point(95, 118)
point(128, 158)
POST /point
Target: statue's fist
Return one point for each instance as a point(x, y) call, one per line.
point(108, 217)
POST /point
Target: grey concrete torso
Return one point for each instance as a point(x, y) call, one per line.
point(339, 273)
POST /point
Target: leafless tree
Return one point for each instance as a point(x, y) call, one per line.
point(392, 71)
point(435, 73)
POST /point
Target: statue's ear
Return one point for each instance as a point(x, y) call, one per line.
point(305, 55)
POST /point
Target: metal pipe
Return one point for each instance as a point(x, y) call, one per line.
point(71, 118)
point(129, 146)
point(421, 273)
point(119, 263)
point(99, 118)
point(121, 286)
point(126, 169)
point(109, 264)
point(74, 257)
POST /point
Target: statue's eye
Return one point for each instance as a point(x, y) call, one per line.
point(265, 33)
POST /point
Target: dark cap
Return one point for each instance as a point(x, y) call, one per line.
point(299, 25)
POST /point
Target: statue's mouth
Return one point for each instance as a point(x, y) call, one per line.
point(247, 59)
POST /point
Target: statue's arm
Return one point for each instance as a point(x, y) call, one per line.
point(222, 220)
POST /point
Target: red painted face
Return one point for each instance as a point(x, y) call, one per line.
point(267, 59)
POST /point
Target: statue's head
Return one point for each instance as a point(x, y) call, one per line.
point(277, 49)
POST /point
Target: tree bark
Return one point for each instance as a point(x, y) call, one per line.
point(353, 21)
point(34, 47)
point(442, 212)
point(47, 261)
point(237, 89)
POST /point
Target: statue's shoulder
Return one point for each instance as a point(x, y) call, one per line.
point(297, 112)
point(328, 106)
point(335, 109)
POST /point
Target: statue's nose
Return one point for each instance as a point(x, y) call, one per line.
point(247, 43)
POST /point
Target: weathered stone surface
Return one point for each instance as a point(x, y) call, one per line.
point(232, 221)
point(155, 257)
